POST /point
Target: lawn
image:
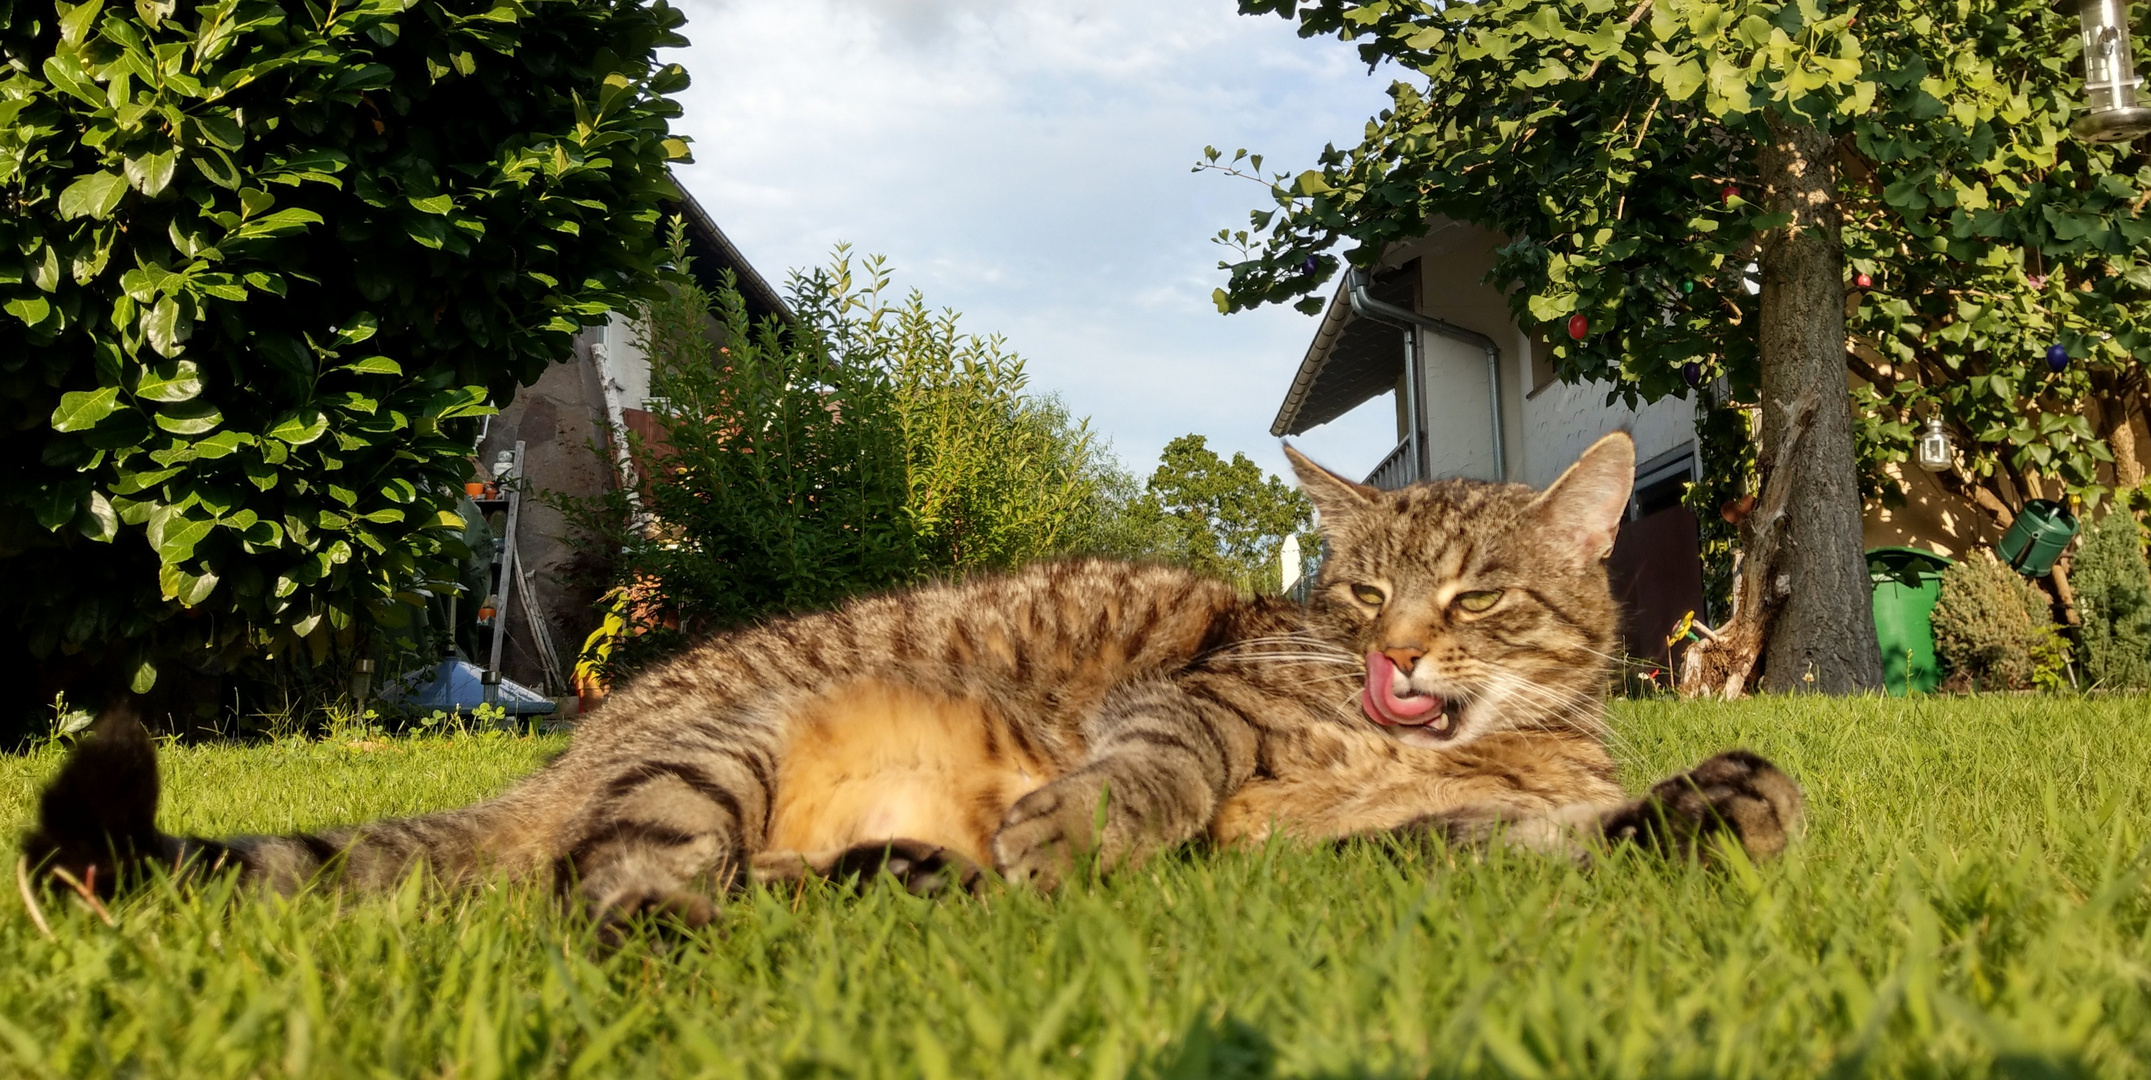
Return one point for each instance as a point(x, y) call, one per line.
point(1971, 897)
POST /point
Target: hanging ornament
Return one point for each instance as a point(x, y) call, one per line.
point(1864, 281)
point(1934, 449)
point(2057, 358)
point(1687, 287)
point(1308, 267)
point(1726, 194)
point(1692, 373)
point(1578, 326)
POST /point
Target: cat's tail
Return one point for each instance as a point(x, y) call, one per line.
point(97, 825)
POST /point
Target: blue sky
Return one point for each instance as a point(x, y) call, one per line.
point(1027, 164)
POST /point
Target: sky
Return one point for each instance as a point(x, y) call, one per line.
point(1027, 164)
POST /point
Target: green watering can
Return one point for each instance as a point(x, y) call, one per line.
point(2036, 538)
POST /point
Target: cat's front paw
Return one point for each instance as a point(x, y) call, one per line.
point(1737, 796)
point(1043, 833)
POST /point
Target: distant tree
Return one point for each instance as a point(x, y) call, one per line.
point(262, 265)
point(1226, 518)
point(1717, 187)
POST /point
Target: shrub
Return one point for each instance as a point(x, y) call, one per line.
point(260, 264)
point(866, 445)
point(2113, 598)
point(1993, 630)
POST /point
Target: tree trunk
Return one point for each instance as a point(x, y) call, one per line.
point(1824, 637)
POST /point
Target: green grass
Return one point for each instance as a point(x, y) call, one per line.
point(1971, 897)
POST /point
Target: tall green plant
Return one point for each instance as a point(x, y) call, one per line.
point(865, 444)
point(260, 264)
point(997, 475)
point(1993, 630)
point(2113, 596)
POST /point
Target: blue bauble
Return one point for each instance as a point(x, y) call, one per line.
point(1309, 265)
point(2057, 358)
point(1692, 372)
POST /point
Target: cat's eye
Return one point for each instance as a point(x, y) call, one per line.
point(1368, 595)
point(1478, 601)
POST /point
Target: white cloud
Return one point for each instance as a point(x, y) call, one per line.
point(1028, 165)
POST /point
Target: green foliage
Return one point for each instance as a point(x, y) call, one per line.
point(864, 446)
point(261, 263)
point(1619, 153)
point(2113, 598)
point(1993, 630)
point(1226, 519)
point(998, 477)
point(1968, 901)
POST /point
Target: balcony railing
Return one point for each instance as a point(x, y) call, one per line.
point(1396, 470)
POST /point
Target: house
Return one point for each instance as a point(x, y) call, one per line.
point(568, 424)
point(1476, 396)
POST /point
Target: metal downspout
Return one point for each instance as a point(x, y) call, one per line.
point(1367, 307)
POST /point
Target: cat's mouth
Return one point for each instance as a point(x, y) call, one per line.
point(1418, 718)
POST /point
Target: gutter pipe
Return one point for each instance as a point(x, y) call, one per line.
point(1367, 307)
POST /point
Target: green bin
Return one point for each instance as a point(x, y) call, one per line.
point(2037, 537)
point(1907, 582)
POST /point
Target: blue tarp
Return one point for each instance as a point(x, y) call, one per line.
point(455, 685)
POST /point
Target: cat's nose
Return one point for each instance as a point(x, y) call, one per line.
point(1403, 656)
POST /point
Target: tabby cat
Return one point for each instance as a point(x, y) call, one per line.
point(1446, 676)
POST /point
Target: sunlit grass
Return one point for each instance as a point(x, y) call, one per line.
point(1971, 897)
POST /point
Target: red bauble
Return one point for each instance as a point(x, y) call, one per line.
point(1726, 193)
point(1863, 281)
point(1578, 326)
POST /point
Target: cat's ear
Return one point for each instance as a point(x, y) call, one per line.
point(1333, 496)
point(1582, 511)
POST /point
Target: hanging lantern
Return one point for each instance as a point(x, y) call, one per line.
point(1934, 449)
point(2111, 113)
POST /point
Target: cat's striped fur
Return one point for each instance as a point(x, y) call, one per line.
point(997, 721)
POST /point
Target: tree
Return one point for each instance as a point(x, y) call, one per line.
point(1227, 519)
point(262, 264)
point(1902, 166)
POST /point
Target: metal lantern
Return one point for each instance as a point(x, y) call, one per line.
point(1934, 449)
point(2110, 81)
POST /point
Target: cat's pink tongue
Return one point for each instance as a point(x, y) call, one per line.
point(1381, 702)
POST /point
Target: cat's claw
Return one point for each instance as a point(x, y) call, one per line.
point(1737, 795)
point(1042, 834)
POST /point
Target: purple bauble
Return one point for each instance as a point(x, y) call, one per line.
point(1309, 265)
point(2057, 358)
point(1693, 372)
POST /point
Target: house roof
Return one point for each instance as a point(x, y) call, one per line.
point(713, 254)
point(1350, 359)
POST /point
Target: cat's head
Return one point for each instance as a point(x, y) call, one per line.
point(1478, 607)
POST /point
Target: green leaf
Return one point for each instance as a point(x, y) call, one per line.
point(191, 590)
point(301, 427)
point(30, 309)
point(193, 418)
point(66, 72)
point(151, 173)
point(81, 409)
point(357, 328)
point(94, 195)
point(176, 380)
point(99, 521)
point(374, 365)
point(145, 677)
point(167, 326)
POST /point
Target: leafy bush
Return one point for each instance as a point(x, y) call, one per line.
point(2113, 597)
point(1993, 630)
point(863, 446)
point(260, 264)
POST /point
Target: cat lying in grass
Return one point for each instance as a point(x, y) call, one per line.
point(1446, 677)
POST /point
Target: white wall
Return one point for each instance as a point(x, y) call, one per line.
point(1542, 433)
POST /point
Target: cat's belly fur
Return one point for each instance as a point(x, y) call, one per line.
point(871, 761)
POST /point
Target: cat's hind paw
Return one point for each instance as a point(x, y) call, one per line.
point(921, 868)
point(1736, 796)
